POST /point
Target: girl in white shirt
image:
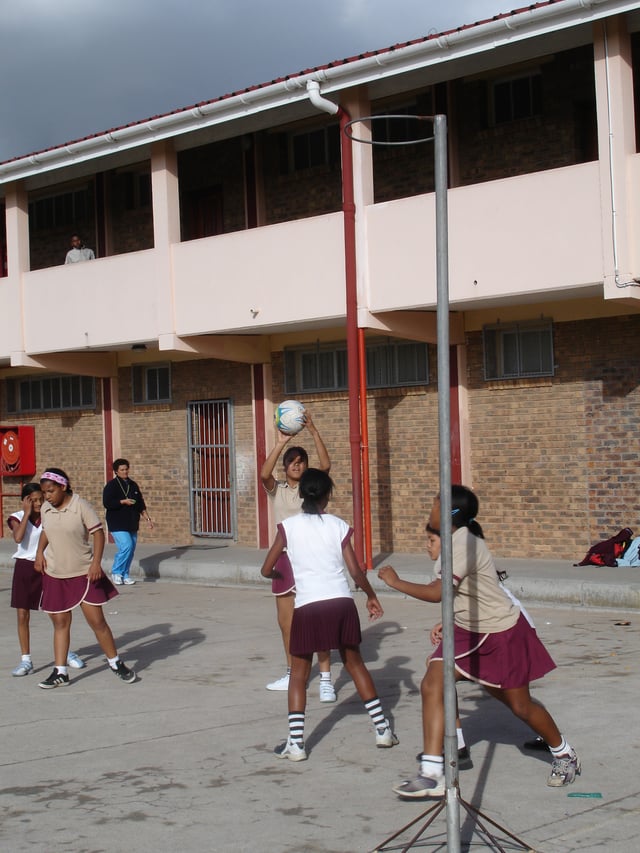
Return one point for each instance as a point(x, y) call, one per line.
point(26, 587)
point(325, 615)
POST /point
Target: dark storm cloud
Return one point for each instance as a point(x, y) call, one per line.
point(71, 69)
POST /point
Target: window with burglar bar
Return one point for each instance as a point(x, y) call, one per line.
point(512, 351)
point(324, 366)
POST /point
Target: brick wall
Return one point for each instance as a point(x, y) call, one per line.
point(155, 441)
point(71, 441)
point(403, 451)
point(555, 461)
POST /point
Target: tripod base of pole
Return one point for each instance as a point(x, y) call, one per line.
point(488, 836)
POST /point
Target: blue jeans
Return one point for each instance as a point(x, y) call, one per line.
point(126, 545)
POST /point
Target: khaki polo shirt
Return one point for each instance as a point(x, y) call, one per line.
point(69, 552)
point(479, 602)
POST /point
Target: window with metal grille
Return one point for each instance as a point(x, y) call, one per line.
point(518, 350)
point(151, 383)
point(324, 367)
point(50, 393)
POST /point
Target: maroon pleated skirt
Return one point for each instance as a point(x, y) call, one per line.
point(507, 659)
point(321, 625)
point(26, 587)
point(59, 595)
point(285, 582)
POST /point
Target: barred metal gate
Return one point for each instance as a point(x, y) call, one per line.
point(211, 467)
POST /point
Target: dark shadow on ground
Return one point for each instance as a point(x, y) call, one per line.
point(144, 646)
point(151, 565)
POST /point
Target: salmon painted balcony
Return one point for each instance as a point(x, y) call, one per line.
point(523, 239)
point(532, 238)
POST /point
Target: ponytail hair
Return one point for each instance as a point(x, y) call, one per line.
point(316, 487)
point(464, 508)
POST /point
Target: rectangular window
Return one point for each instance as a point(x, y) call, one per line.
point(66, 209)
point(151, 383)
point(517, 98)
point(518, 350)
point(324, 367)
point(51, 394)
point(298, 152)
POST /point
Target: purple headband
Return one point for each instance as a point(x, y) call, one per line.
point(55, 478)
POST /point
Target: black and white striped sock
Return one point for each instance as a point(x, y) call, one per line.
point(296, 727)
point(374, 709)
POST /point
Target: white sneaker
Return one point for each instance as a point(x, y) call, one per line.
point(327, 691)
point(74, 661)
point(280, 684)
point(385, 738)
point(420, 788)
point(128, 581)
point(23, 668)
point(116, 579)
point(291, 750)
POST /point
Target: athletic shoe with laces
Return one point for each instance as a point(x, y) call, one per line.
point(291, 750)
point(23, 668)
point(116, 579)
point(385, 738)
point(280, 683)
point(327, 691)
point(128, 581)
point(123, 672)
point(564, 770)
point(56, 679)
point(420, 788)
point(74, 661)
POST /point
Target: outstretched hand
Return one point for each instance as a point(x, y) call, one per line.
point(389, 575)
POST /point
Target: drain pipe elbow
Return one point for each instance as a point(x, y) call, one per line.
point(322, 104)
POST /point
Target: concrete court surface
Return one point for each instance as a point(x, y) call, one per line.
point(182, 760)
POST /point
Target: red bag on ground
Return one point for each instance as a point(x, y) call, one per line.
point(607, 552)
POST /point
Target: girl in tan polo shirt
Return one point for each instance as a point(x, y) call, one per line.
point(494, 644)
point(69, 557)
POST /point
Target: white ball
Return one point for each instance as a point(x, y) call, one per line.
point(289, 417)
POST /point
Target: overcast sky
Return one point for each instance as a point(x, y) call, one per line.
point(70, 69)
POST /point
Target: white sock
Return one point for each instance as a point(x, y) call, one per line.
point(562, 749)
point(460, 736)
point(26, 658)
point(113, 662)
point(61, 669)
point(325, 676)
point(431, 765)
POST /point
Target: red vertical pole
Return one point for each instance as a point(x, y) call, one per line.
point(353, 372)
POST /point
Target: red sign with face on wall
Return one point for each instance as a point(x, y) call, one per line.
point(17, 451)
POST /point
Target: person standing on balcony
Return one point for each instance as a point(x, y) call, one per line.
point(286, 502)
point(124, 504)
point(78, 251)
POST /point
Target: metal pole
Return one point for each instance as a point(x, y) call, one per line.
point(444, 426)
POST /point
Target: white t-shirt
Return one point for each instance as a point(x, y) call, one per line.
point(314, 545)
point(28, 548)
